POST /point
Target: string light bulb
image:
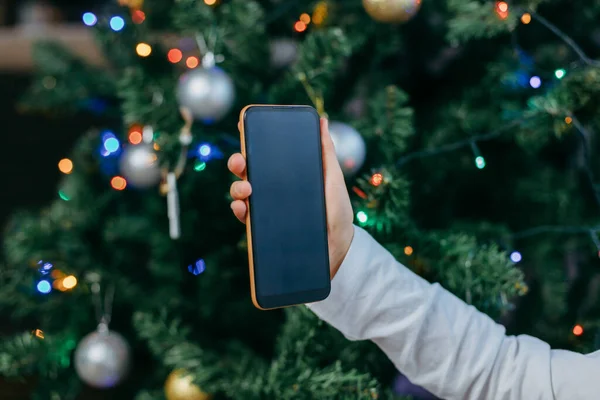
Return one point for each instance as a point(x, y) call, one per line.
point(376, 179)
point(408, 250)
point(117, 23)
point(568, 120)
point(135, 134)
point(199, 166)
point(560, 73)
point(362, 217)
point(65, 166)
point(305, 18)
point(197, 268)
point(118, 183)
point(174, 55)
point(480, 162)
point(320, 13)
point(299, 26)
point(210, 2)
point(502, 9)
point(89, 19)
point(204, 150)
point(192, 62)
point(143, 49)
point(516, 257)
point(578, 330)
point(138, 16)
point(535, 82)
point(526, 18)
point(44, 287)
point(63, 196)
point(69, 282)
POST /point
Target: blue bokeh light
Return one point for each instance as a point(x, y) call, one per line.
point(44, 287)
point(112, 144)
point(117, 23)
point(90, 19)
point(516, 257)
point(535, 82)
point(198, 267)
point(45, 267)
point(204, 150)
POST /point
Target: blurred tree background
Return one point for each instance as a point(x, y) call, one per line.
point(473, 130)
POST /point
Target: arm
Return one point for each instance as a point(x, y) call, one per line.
point(442, 344)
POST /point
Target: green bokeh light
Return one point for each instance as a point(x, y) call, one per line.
point(63, 195)
point(480, 162)
point(560, 73)
point(199, 166)
point(362, 217)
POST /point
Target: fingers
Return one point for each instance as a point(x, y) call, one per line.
point(239, 209)
point(240, 190)
point(237, 165)
point(330, 161)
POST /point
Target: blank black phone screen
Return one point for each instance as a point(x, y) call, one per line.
point(287, 205)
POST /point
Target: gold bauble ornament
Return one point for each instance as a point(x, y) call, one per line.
point(179, 386)
point(392, 11)
point(133, 4)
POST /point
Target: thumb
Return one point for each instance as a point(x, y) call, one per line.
point(331, 166)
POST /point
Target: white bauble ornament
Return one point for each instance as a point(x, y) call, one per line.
point(350, 147)
point(140, 166)
point(208, 93)
point(102, 359)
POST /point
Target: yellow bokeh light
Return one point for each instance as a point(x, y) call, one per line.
point(210, 2)
point(192, 62)
point(526, 18)
point(143, 49)
point(69, 282)
point(65, 166)
point(157, 148)
point(39, 333)
point(305, 18)
point(569, 120)
point(56, 274)
point(118, 183)
point(408, 250)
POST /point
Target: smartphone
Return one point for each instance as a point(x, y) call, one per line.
point(286, 223)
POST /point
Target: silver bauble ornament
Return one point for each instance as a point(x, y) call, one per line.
point(350, 147)
point(140, 166)
point(207, 92)
point(392, 11)
point(284, 51)
point(102, 359)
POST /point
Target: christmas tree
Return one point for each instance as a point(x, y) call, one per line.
point(465, 129)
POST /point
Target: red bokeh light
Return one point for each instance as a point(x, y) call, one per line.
point(299, 26)
point(174, 55)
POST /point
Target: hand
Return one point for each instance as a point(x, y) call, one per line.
point(339, 210)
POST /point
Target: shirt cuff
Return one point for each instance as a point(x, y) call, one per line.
point(346, 280)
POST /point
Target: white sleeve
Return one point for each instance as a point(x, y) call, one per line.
point(442, 344)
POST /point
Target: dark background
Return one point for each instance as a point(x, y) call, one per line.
point(32, 144)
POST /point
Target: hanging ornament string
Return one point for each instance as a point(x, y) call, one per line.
point(168, 186)
point(103, 309)
point(315, 97)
